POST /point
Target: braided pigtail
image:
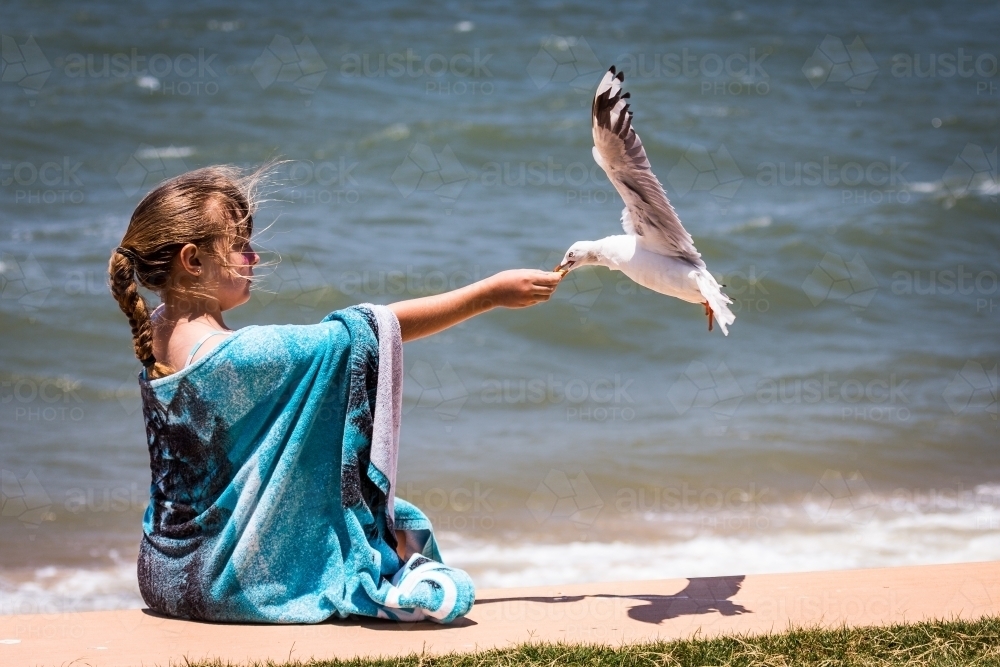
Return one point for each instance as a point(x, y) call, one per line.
point(121, 271)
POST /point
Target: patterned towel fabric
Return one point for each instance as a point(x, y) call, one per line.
point(273, 463)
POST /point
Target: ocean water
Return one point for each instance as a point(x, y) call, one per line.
point(836, 165)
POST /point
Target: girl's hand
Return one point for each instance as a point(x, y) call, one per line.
point(520, 288)
point(510, 289)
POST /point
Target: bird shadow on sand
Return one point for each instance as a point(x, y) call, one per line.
point(702, 595)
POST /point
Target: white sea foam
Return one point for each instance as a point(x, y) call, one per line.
point(53, 589)
point(148, 82)
point(925, 186)
point(980, 184)
point(164, 153)
point(833, 538)
point(755, 223)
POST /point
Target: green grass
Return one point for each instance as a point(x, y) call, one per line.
point(958, 643)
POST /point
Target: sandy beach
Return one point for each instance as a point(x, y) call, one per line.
point(613, 613)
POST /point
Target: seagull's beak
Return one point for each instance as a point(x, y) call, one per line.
point(563, 268)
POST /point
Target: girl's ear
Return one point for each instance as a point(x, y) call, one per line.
point(189, 258)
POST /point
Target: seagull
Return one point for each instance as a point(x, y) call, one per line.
point(655, 250)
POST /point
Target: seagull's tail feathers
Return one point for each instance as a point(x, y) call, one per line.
point(717, 301)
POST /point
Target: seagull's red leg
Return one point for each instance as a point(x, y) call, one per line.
point(709, 312)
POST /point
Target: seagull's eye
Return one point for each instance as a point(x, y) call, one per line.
point(572, 254)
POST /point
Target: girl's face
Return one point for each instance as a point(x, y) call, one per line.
point(234, 282)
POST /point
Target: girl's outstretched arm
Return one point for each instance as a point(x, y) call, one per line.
point(517, 288)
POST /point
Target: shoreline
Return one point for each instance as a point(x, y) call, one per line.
point(623, 612)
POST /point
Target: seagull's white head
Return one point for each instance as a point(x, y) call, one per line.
point(580, 254)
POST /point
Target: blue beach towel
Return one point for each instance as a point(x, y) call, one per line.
point(273, 463)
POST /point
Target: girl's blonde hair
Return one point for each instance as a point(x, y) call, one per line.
point(212, 208)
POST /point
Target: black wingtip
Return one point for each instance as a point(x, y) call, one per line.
point(626, 96)
point(612, 70)
point(621, 76)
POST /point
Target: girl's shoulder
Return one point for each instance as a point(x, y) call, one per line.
point(250, 350)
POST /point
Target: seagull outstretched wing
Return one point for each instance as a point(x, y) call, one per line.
point(618, 150)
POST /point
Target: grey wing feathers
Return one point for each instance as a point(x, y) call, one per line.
point(618, 150)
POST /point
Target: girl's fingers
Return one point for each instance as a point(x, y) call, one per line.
point(546, 278)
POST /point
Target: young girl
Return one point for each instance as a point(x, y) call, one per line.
point(273, 448)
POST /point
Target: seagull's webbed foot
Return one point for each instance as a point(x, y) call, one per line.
point(709, 312)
